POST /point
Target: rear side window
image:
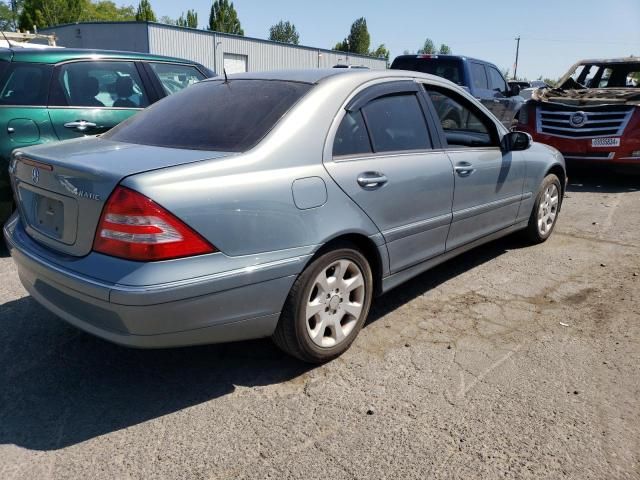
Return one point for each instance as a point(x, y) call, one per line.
point(174, 78)
point(396, 123)
point(213, 115)
point(352, 137)
point(26, 84)
point(479, 76)
point(98, 84)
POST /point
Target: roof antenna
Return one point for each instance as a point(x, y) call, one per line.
point(226, 79)
point(7, 40)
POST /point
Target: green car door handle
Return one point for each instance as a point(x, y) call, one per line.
point(80, 125)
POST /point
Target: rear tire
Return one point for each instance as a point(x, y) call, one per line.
point(326, 307)
point(546, 209)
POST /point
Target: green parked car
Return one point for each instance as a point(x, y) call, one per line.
point(48, 95)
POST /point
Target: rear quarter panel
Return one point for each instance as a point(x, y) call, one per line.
point(244, 204)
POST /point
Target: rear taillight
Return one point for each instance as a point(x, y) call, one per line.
point(134, 227)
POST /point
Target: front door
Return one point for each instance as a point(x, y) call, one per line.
point(91, 97)
point(383, 158)
point(488, 183)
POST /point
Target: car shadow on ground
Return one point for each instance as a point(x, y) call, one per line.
point(602, 180)
point(61, 387)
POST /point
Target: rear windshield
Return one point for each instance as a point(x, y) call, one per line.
point(449, 68)
point(228, 117)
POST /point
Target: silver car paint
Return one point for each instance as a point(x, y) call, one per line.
point(249, 206)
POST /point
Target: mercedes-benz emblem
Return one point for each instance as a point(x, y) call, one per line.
point(35, 175)
point(578, 119)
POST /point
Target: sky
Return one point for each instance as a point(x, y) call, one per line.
point(554, 33)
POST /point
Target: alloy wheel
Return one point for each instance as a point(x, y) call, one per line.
point(335, 303)
point(548, 209)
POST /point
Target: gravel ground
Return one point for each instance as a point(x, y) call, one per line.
point(510, 362)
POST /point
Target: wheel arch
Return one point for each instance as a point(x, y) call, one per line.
point(364, 245)
point(559, 172)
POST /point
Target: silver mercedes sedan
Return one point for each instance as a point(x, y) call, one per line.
point(271, 205)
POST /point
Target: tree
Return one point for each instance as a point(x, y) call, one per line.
point(145, 12)
point(359, 38)
point(190, 21)
point(428, 47)
point(107, 11)
point(224, 18)
point(284, 32)
point(342, 46)
point(381, 52)
point(45, 13)
point(9, 14)
point(444, 49)
point(167, 20)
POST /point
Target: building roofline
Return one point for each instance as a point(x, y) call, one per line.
point(212, 32)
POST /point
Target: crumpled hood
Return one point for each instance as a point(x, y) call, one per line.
point(589, 96)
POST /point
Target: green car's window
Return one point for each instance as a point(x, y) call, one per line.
point(176, 77)
point(25, 84)
point(98, 84)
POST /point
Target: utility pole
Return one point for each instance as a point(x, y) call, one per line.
point(515, 66)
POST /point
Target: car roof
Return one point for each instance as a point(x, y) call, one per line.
point(428, 56)
point(57, 55)
point(318, 75)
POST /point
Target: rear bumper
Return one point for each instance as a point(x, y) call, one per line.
point(230, 306)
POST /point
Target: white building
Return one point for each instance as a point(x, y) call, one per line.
point(211, 49)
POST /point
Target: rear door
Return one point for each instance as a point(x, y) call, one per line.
point(488, 183)
point(482, 89)
point(24, 120)
point(91, 97)
point(384, 159)
point(503, 104)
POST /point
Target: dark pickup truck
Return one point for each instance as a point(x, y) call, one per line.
point(482, 79)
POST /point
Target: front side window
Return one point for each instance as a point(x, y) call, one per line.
point(98, 84)
point(174, 78)
point(213, 115)
point(496, 82)
point(396, 123)
point(352, 137)
point(463, 125)
point(26, 84)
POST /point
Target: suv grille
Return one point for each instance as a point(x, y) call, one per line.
point(574, 122)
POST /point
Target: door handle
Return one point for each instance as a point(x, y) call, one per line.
point(371, 180)
point(464, 169)
point(11, 130)
point(80, 125)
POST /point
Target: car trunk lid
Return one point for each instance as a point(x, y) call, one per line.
point(61, 188)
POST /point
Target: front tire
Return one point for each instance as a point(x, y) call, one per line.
point(326, 307)
point(545, 210)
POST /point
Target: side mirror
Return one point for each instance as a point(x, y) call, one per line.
point(514, 90)
point(516, 141)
